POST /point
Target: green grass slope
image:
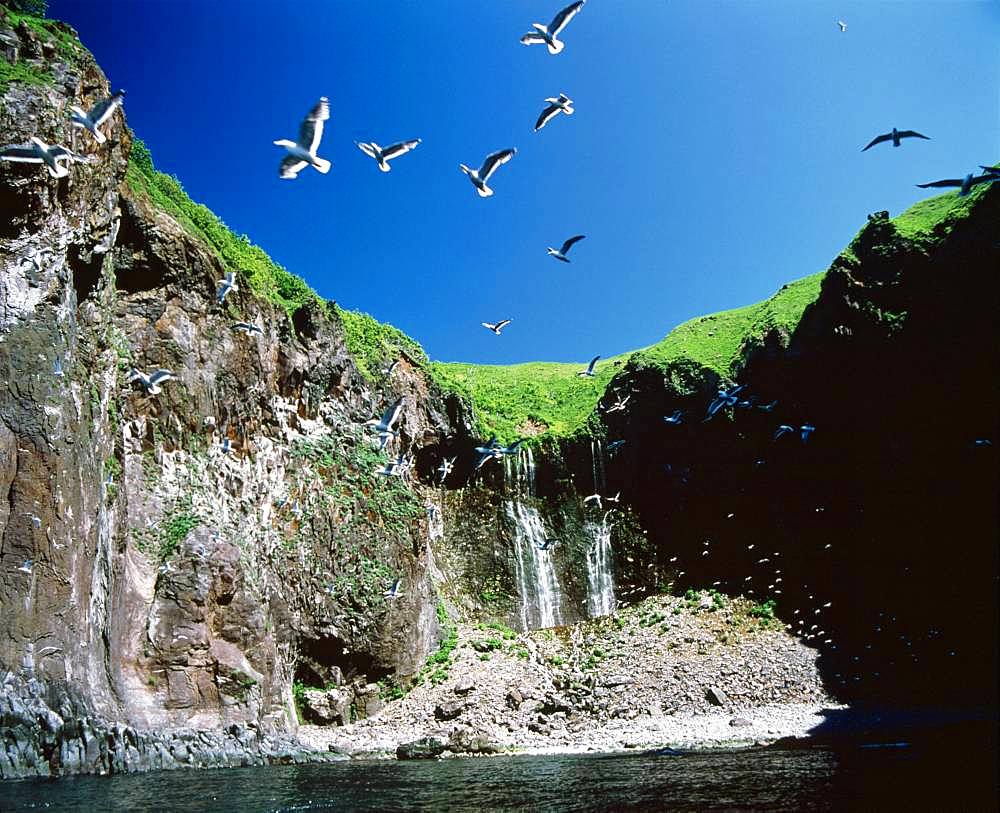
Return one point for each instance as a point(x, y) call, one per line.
point(60, 35)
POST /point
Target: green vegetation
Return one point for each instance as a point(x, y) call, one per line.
point(764, 613)
point(933, 219)
point(374, 344)
point(31, 13)
point(262, 275)
point(175, 528)
point(546, 397)
point(299, 699)
point(436, 668)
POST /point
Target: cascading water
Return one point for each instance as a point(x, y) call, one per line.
point(600, 583)
point(537, 584)
point(597, 465)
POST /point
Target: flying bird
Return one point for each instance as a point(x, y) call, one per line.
point(589, 372)
point(38, 152)
point(806, 429)
point(496, 328)
point(226, 286)
point(724, 398)
point(482, 175)
point(560, 254)
point(557, 104)
point(26, 567)
point(895, 136)
point(150, 383)
point(445, 468)
point(549, 34)
point(383, 155)
point(594, 498)
point(384, 424)
point(303, 152)
point(676, 418)
point(784, 429)
point(619, 405)
point(615, 445)
point(843, 26)
point(965, 184)
point(388, 370)
point(248, 328)
point(100, 113)
point(393, 591)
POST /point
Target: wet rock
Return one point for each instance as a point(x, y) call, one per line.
point(424, 748)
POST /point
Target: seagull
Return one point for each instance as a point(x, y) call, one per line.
point(248, 328)
point(549, 34)
point(767, 407)
point(619, 405)
point(491, 451)
point(446, 467)
point(616, 499)
point(388, 370)
point(724, 398)
point(384, 155)
point(496, 328)
point(26, 567)
point(894, 137)
point(100, 113)
point(594, 498)
point(674, 419)
point(38, 152)
point(982, 442)
point(303, 153)
point(393, 591)
point(560, 254)
point(965, 184)
point(615, 445)
point(512, 449)
point(806, 429)
point(589, 372)
point(149, 382)
point(557, 105)
point(843, 26)
point(384, 424)
point(57, 368)
point(228, 284)
point(784, 429)
point(35, 520)
point(990, 170)
point(482, 175)
point(490, 447)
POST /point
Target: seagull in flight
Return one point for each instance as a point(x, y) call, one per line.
point(965, 184)
point(724, 398)
point(806, 429)
point(445, 468)
point(490, 165)
point(303, 152)
point(248, 328)
point(895, 136)
point(226, 286)
point(491, 451)
point(674, 419)
point(150, 383)
point(384, 424)
point(589, 372)
point(619, 405)
point(383, 155)
point(38, 152)
point(615, 445)
point(26, 567)
point(387, 371)
point(594, 498)
point(549, 34)
point(560, 254)
point(557, 104)
point(393, 591)
point(843, 26)
point(100, 113)
point(496, 328)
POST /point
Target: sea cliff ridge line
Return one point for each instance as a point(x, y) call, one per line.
point(184, 593)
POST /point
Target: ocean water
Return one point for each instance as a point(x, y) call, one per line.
point(887, 776)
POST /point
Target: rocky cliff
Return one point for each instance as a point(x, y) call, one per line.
point(172, 564)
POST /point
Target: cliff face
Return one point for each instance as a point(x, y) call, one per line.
point(154, 580)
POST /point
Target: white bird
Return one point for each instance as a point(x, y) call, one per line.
point(38, 152)
point(496, 328)
point(619, 405)
point(35, 520)
point(384, 424)
point(150, 383)
point(558, 104)
point(490, 165)
point(560, 254)
point(388, 370)
point(227, 285)
point(248, 328)
point(303, 152)
point(100, 113)
point(393, 591)
point(843, 26)
point(445, 468)
point(549, 34)
point(383, 155)
point(594, 498)
point(26, 567)
point(589, 372)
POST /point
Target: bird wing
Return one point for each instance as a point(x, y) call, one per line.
point(911, 134)
point(395, 150)
point(311, 130)
point(103, 110)
point(593, 361)
point(488, 325)
point(20, 153)
point(569, 243)
point(990, 170)
point(532, 38)
point(60, 153)
point(503, 323)
point(547, 113)
point(291, 167)
point(878, 140)
point(561, 20)
point(367, 149)
point(392, 413)
point(946, 182)
point(493, 161)
point(160, 375)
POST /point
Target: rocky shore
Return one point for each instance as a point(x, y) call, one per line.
point(700, 671)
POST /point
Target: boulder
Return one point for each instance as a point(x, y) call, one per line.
point(326, 706)
point(464, 686)
point(716, 696)
point(367, 701)
point(514, 697)
point(424, 748)
point(740, 722)
point(465, 740)
point(448, 710)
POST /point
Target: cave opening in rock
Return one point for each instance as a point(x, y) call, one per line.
point(328, 661)
point(86, 274)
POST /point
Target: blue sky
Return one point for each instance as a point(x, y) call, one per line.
point(714, 154)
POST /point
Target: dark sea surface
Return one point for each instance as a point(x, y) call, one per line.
point(871, 777)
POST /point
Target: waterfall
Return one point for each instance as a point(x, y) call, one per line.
point(597, 466)
point(534, 570)
point(600, 583)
